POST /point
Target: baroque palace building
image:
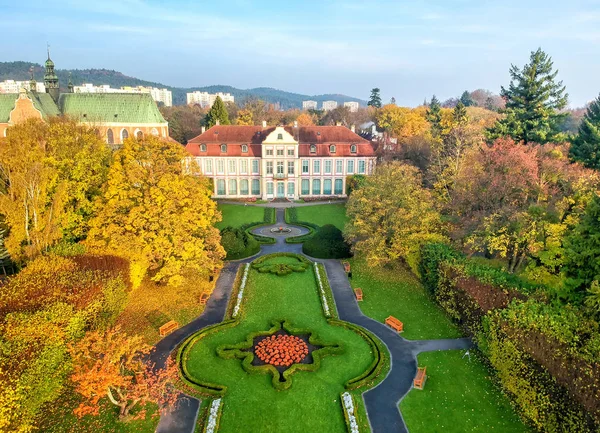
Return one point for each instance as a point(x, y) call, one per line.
point(115, 116)
point(280, 162)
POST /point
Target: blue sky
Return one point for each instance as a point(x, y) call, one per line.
point(410, 49)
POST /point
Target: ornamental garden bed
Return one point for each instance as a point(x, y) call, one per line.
point(342, 358)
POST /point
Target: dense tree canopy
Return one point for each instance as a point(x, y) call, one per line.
point(533, 100)
point(52, 173)
point(585, 147)
point(157, 215)
point(391, 215)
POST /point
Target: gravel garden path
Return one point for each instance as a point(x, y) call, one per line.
point(381, 402)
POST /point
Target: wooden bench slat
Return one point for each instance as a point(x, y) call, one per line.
point(359, 294)
point(168, 328)
point(394, 323)
point(420, 378)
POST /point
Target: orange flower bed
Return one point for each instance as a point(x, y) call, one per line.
point(281, 350)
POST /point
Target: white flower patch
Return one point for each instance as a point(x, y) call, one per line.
point(349, 408)
point(211, 425)
point(238, 303)
point(324, 299)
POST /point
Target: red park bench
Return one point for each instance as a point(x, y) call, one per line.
point(394, 323)
point(346, 267)
point(420, 378)
point(358, 293)
point(204, 297)
point(168, 327)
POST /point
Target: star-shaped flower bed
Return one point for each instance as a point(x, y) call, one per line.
point(281, 351)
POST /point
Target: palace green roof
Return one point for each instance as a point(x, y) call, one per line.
point(44, 103)
point(110, 107)
point(7, 103)
point(41, 101)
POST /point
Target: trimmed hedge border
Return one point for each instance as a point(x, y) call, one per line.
point(235, 351)
point(352, 427)
point(291, 217)
point(268, 219)
point(333, 313)
point(203, 388)
point(300, 258)
point(234, 293)
point(216, 413)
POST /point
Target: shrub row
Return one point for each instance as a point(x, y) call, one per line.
point(264, 258)
point(238, 243)
point(280, 381)
point(545, 357)
point(201, 387)
point(327, 243)
point(380, 362)
point(291, 217)
point(327, 289)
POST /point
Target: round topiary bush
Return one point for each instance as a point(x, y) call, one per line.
point(327, 243)
point(238, 244)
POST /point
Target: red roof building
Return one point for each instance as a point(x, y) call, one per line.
point(280, 162)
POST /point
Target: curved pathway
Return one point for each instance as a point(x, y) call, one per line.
point(381, 402)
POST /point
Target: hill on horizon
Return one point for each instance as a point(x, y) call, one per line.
point(19, 71)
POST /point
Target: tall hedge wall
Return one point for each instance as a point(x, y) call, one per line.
point(546, 358)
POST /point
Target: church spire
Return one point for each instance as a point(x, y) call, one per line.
point(70, 85)
point(32, 83)
point(51, 79)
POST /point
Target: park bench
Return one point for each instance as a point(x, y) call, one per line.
point(204, 297)
point(168, 327)
point(420, 378)
point(358, 293)
point(394, 323)
point(346, 267)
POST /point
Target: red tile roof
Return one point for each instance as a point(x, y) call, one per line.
point(234, 136)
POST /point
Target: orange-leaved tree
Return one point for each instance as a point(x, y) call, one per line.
point(111, 364)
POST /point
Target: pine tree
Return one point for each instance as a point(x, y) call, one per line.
point(375, 99)
point(533, 101)
point(585, 147)
point(582, 266)
point(466, 99)
point(459, 114)
point(217, 112)
point(434, 117)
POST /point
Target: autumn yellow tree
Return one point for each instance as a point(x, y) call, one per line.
point(305, 119)
point(158, 212)
point(392, 215)
point(402, 122)
point(244, 117)
point(111, 365)
point(52, 172)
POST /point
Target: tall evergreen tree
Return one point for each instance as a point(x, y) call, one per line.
point(585, 147)
point(434, 117)
point(583, 251)
point(375, 99)
point(466, 99)
point(533, 101)
point(217, 112)
point(459, 114)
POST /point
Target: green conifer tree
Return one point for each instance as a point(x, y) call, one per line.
point(585, 147)
point(434, 116)
point(466, 99)
point(459, 114)
point(375, 99)
point(217, 112)
point(533, 101)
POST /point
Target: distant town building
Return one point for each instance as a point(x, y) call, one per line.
point(329, 105)
point(12, 86)
point(159, 95)
point(116, 115)
point(205, 99)
point(352, 106)
point(309, 105)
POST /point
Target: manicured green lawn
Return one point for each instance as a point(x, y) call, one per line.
point(458, 397)
point(398, 293)
point(324, 214)
point(235, 215)
point(251, 404)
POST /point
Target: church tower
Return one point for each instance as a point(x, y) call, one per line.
point(51, 79)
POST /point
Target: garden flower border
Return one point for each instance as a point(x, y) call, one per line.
point(368, 379)
point(236, 351)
